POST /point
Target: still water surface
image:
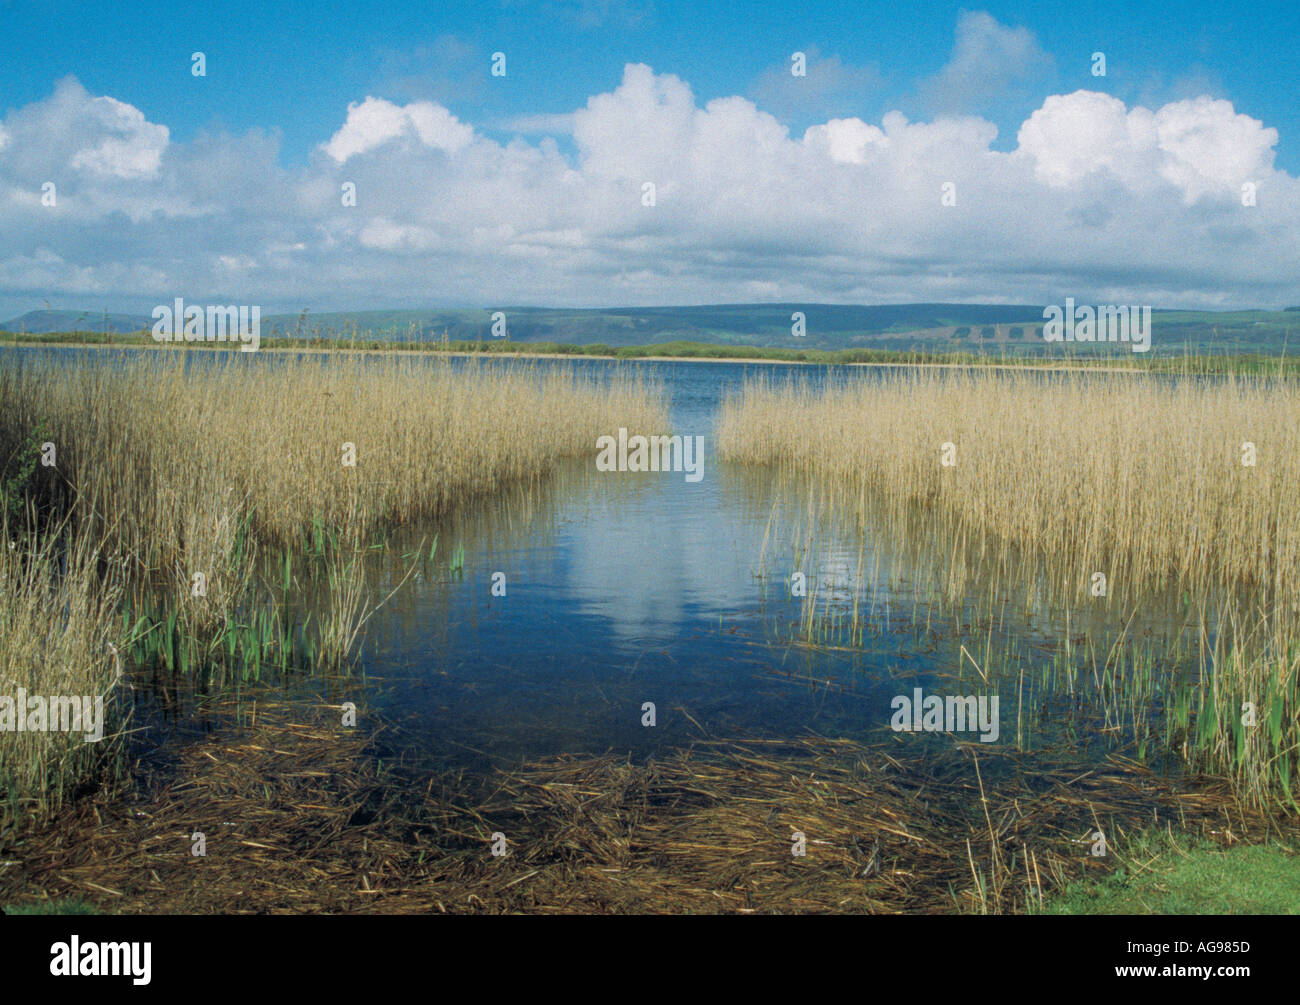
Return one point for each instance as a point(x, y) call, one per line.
point(626, 588)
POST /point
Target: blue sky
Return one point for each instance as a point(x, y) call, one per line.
point(281, 79)
point(291, 67)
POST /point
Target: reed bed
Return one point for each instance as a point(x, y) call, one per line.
point(208, 495)
point(1054, 479)
point(177, 457)
point(300, 816)
point(1133, 475)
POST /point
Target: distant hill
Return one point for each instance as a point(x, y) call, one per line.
point(40, 322)
point(1014, 329)
point(996, 328)
point(827, 325)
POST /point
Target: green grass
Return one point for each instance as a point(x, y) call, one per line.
point(69, 905)
point(1165, 876)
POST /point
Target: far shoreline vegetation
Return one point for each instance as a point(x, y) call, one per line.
point(1185, 358)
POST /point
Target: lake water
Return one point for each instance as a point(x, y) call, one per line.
point(621, 589)
point(626, 588)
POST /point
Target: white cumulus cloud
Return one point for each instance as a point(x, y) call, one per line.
point(131, 147)
point(1201, 146)
point(1098, 200)
point(374, 122)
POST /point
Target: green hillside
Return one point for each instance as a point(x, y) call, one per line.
point(1003, 330)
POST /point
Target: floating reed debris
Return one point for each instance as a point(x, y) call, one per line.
point(299, 816)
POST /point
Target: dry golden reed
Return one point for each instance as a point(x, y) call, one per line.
point(57, 630)
point(1134, 475)
point(174, 452)
point(1166, 487)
